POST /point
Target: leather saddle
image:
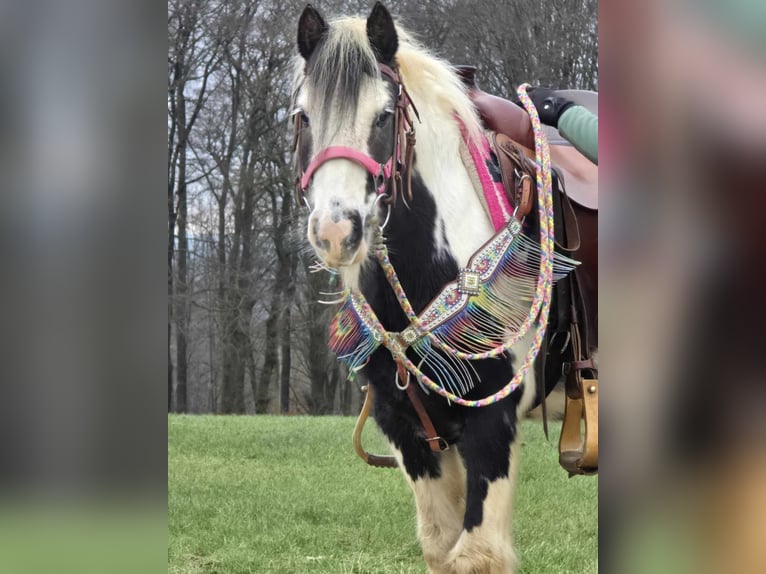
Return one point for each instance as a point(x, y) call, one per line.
point(573, 331)
point(504, 117)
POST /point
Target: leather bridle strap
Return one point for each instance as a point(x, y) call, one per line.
point(386, 175)
point(437, 443)
point(380, 172)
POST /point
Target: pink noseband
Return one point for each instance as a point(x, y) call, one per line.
point(388, 175)
point(379, 171)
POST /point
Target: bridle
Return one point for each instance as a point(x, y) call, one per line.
point(387, 175)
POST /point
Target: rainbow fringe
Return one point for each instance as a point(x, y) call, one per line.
point(513, 295)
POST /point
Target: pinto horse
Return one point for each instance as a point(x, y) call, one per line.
point(348, 83)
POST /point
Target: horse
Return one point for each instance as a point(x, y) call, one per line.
point(352, 77)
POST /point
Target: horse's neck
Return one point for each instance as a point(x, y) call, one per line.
point(429, 240)
point(422, 267)
point(466, 225)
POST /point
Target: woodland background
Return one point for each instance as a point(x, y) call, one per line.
point(245, 333)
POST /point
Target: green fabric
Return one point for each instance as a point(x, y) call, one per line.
point(740, 20)
point(580, 127)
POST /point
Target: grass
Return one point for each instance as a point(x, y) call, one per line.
point(280, 495)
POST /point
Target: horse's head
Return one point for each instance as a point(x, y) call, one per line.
point(345, 113)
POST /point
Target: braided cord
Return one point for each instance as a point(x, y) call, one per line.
point(542, 299)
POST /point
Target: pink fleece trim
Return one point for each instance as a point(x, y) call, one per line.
point(494, 193)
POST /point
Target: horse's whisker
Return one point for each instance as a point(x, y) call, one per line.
point(335, 302)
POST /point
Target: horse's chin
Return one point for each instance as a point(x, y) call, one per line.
point(350, 271)
point(354, 261)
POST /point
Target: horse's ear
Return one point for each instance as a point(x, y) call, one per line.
point(382, 34)
point(311, 29)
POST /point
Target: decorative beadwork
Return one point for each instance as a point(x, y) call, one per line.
point(508, 251)
point(410, 335)
point(468, 282)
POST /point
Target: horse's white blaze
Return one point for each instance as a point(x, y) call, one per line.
point(340, 185)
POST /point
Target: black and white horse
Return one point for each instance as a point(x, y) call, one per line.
point(463, 495)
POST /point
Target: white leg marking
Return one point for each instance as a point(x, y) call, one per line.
point(440, 504)
point(488, 548)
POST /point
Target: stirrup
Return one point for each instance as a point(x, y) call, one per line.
point(578, 454)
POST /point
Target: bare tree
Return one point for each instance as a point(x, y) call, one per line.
point(245, 333)
point(192, 56)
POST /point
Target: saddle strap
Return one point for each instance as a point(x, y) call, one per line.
point(434, 441)
point(578, 454)
point(518, 174)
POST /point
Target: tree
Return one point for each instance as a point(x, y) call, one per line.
point(245, 333)
point(191, 59)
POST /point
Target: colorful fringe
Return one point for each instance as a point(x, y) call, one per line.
point(467, 327)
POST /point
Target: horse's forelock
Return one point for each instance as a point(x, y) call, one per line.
point(339, 66)
point(345, 58)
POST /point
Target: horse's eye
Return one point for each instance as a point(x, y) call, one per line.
point(383, 118)
point(304, 119)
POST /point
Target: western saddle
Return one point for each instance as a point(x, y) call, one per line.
point(573, 331)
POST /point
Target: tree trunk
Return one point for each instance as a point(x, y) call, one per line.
point(321, 360)
point(346, 392)
point(233, 391)
point(181, 304)
point(171, 249)
point(284, 379)
point(170, 370)
point(263, 393)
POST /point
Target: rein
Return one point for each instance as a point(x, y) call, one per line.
point(387, 177)
point(470, 282)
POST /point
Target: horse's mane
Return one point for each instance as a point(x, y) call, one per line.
point(345, 57)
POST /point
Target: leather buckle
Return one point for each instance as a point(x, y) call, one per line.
point(443, 444)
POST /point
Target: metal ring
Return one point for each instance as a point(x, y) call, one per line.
point(396, 381)
point(378, 198)
point(388, 216)
point(306, 201)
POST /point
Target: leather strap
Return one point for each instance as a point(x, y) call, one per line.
point(436, 442)
point(578, 454)
point(517, 173)
point(571, 236)
point(585, 364)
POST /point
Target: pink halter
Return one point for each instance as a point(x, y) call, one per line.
point(382, 173)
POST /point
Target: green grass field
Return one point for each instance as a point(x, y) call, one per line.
point(281, 495)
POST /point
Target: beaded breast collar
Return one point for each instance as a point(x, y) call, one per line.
point(502, 293)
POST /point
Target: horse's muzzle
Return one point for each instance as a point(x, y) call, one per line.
point(337, 239)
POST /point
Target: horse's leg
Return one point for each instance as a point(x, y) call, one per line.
point(440, 503)
point(490, 450)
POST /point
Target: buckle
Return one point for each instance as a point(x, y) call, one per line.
point(443, 444)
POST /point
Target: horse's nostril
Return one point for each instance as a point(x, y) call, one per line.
point(338, 241)
point(355, 236)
